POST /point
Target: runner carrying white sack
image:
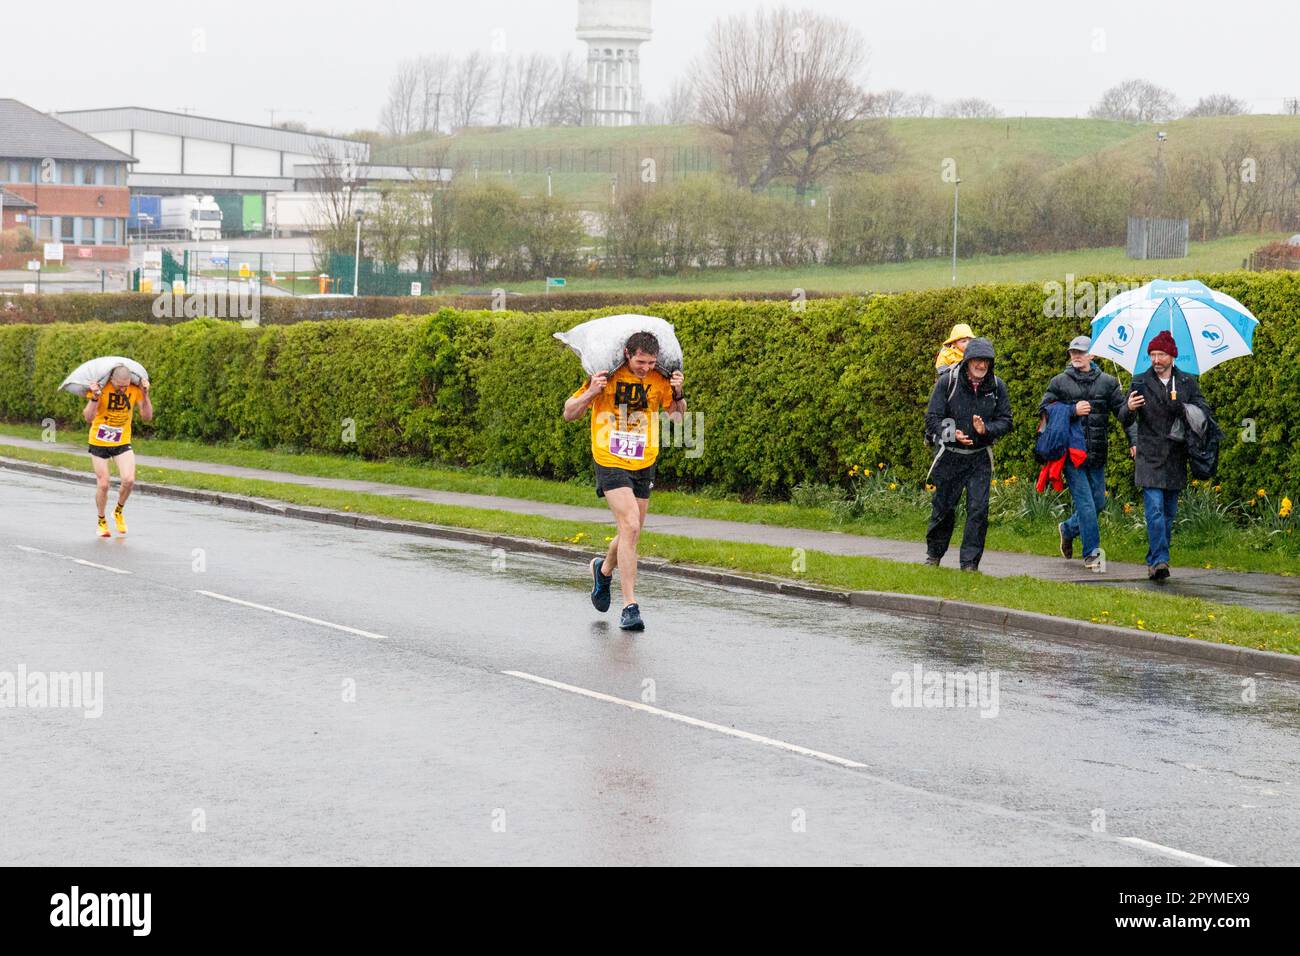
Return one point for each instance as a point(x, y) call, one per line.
point(599, 342)
point(96, 372)
point(628, 392)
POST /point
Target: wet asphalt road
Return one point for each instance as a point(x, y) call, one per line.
point(227, 736)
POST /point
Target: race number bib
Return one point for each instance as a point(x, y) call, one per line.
point(627, 445)
point(108, 435)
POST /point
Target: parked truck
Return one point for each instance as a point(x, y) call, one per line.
point(195, 218)
point(146, 215)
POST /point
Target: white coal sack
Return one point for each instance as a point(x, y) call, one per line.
point(97, 371)
point(599, 342)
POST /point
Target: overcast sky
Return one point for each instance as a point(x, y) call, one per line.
point(327, 63)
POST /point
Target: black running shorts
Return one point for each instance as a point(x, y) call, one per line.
point(108, 451)
point(640, 481)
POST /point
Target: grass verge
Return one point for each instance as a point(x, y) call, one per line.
point(1218, 550)
point(1169, 614)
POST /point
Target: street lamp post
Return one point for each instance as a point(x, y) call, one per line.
point(956, 190)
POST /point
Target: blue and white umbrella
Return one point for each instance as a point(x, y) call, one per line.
point(1208, 327)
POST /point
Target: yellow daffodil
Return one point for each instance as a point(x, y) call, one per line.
point(1285, 510)
point(1261, 493)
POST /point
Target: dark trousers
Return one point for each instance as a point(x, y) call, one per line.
point(952, 475)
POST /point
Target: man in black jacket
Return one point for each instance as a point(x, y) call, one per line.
point(1156, 400)
point(969, 410)
point(1093, 396)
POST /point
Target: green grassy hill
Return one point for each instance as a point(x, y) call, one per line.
point(583, 158)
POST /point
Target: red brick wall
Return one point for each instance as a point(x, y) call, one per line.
point(11, 218)
point(59, 200)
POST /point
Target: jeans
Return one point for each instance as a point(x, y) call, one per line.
point(1161, 509)
point(952, 475)
point(1088, 492)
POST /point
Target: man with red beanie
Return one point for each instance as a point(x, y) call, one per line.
point(1156, 399)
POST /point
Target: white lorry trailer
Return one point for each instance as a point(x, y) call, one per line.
point(197, 218)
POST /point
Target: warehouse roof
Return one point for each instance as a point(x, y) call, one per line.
point(27, 133)
point(219, 130)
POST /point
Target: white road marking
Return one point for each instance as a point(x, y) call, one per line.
point(993, 809)
point(102, 567)
point(693, 721)
point(1170, 851)
point(23, 547)
point(68, 557)
point(296, 617)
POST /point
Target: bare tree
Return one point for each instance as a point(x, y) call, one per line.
point(399, 114)
point(971, 107)
point(679, 108)
point(1136, 101)
point(336, 183)
point(887, 103)
point(1243, 195)
point(920, 104)
point(782, 88)
point(568, 95)
point(433, 208)
point(1218, 104)
point(435, 78)
point(536, 80)
point(503, 85)
point(470, 88)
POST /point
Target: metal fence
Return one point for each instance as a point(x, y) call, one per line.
point(668, 160)
point(1156, 238)
point(372, 279)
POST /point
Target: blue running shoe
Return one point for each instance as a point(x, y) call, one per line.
point(632, 619)
point(600, 590)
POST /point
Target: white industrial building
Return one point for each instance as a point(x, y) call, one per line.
point(180, 153)
point(613, 31)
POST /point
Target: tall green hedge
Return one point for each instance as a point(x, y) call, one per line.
point(787, 395)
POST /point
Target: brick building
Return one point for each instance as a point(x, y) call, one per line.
point(76, 184)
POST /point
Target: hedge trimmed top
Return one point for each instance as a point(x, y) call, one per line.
point(787, 394)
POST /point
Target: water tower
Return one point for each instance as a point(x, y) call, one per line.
point(613, 31)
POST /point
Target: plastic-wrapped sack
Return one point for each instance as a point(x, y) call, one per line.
point(97, 371)
point(599, 342)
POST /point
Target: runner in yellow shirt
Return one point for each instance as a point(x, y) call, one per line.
point(109, 412)
point(625, 410)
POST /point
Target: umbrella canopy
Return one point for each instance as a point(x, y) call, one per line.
point(1208, 327)
point(97, 371)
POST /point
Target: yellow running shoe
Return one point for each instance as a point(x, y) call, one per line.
point(119, 519)
point(103, 528)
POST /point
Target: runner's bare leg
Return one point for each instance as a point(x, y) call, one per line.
point(629, 513)
point(101, 482)
point(126, 474)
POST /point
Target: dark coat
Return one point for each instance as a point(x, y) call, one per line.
point(1161, 461)
point(991, 402)
point(1103, 392)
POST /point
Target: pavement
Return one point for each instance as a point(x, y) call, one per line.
point(1263, 592)
point(279, 691)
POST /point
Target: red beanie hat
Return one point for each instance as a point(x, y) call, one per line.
point(1164, 342)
